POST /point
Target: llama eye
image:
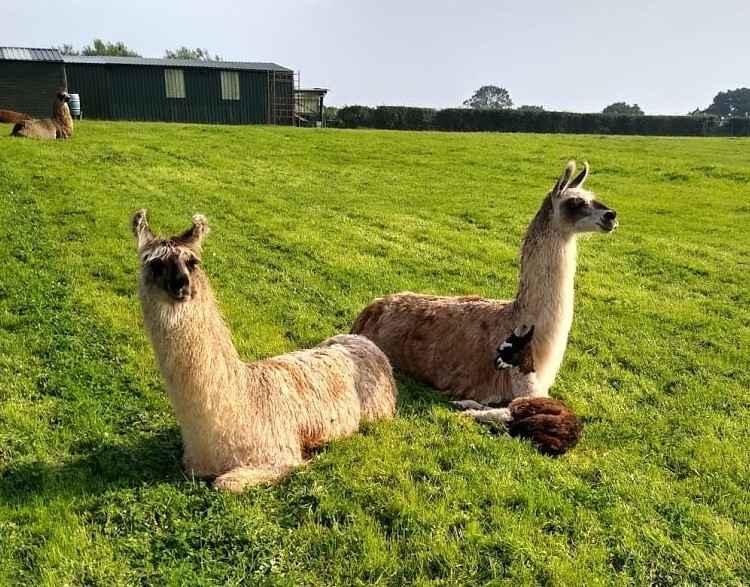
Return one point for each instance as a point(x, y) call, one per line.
point(156, 267)
point(192, 263)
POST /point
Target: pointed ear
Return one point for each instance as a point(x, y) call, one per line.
point(564, 181)
point(581, 177)
point(193, 236)
point(141, 229)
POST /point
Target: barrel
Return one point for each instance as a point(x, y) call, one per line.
point(75, 105)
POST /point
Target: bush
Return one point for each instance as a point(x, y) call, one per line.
point(356, 117)
point(468, 120)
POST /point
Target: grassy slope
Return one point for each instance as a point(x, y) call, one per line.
point(308, 227)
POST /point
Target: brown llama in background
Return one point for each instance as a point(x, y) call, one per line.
point(9, 116)
point(60, 126)
point(247, 423)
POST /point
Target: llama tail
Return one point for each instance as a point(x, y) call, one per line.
point(13, 117)
point(548, 423)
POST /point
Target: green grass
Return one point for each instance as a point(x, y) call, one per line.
point(308, 226)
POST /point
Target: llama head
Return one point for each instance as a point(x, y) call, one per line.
point(577, 210)
point(62, 96)
point(170, 267)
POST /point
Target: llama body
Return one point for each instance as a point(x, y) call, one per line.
point(60, 126)
point(247, 423)
point(451, 342)
point(13, 117)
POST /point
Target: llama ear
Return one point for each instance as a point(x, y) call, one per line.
point(193, 236)
point(581, 177)
point(564, 181)
point(141, 229)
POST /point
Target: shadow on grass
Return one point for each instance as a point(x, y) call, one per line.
point(142, 461)
point(145, 460)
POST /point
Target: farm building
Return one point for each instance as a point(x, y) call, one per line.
point(172, 90)
point(29, 79)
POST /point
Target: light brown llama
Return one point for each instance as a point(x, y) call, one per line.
point(60, 126)
point(247, 423)
point(452, 343)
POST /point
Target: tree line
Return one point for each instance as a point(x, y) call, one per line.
point(731, 103)
point(120, 49)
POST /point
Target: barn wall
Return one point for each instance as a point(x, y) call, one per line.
point(125, 92)
point(30, 86)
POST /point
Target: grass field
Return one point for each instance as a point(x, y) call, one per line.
point(308, 226)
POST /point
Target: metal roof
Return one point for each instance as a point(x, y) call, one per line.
point(29, 54)
point(103, 60)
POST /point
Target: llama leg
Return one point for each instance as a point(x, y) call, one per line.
point(469, 404)
point(487, 415)
point(239, 479)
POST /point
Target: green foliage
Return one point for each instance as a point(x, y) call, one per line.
point(623, 108)
point(530, 108)
point(66, 49)
point(732, 103)
point(196, 54)
point(118, 49)
point(308, 227)
point(538, 121)
point(490, 98)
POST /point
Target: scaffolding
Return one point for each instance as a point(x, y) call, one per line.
point(282, 94)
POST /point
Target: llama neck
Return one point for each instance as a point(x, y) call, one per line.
point(61, 115)
point(546, 292)
point(196, 356)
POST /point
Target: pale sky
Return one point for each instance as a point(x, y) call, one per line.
point(669, 56)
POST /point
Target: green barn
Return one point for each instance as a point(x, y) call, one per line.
point(29, 79)
point(177, 90)
point(138, 88)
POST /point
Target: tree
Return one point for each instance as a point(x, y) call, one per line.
point(66, 49)
point(530, 108)
point(196, 54)
point(623, 108)
point(731, 103)
point(490, 98)
point(99, 47)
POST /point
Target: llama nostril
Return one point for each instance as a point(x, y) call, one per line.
point(610, 215)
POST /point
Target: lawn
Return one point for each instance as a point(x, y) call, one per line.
point(307, 227)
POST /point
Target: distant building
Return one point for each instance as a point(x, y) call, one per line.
point(309, 106)
point(29, 79)
point(172, 90)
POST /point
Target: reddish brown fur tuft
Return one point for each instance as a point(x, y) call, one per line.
point(548, 423)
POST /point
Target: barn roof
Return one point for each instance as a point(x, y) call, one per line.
point(241, 65)
point(29, 54)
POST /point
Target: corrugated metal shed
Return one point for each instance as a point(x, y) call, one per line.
point(227, 65)
point(29, 54)
point(29, 79)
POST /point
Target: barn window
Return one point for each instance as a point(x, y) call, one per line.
point(175, 83)
point(230, 85)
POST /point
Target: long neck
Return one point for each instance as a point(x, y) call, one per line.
point(196, 356)
point(61, 115)
point(546, 291)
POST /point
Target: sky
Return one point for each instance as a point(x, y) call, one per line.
point(668, 56)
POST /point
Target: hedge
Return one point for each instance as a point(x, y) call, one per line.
point(466, 119)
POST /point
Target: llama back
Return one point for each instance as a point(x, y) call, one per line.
point(328, 390)
point(447, 342)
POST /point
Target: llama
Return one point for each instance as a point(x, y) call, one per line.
point(13, 117)
point(247, 423)
point(60, 126)
point(452, 343)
